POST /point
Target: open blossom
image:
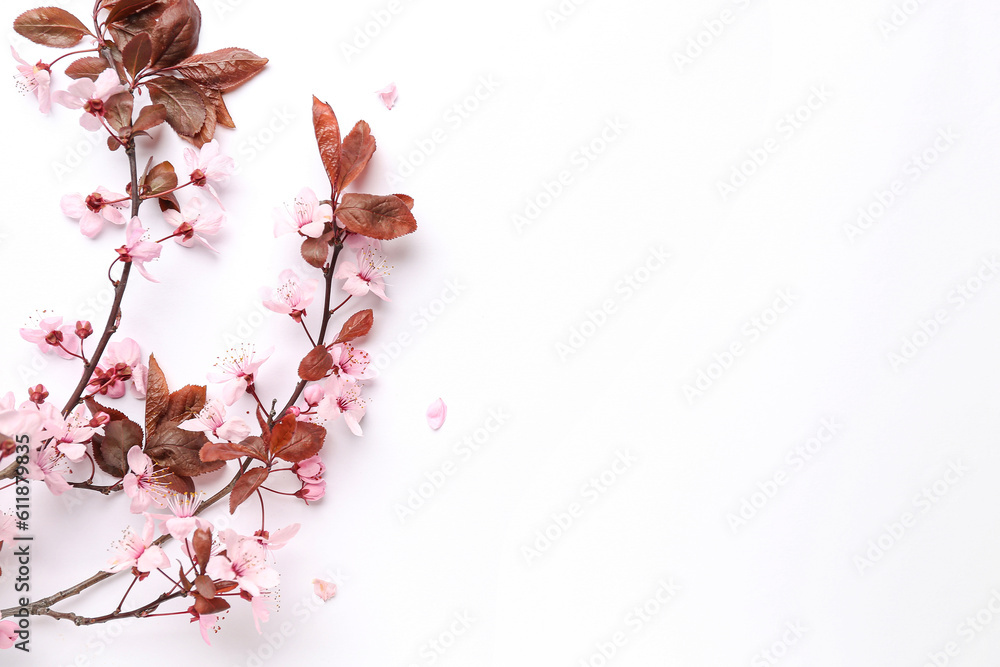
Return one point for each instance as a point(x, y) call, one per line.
point(95, 209)
point(52, 336)
point(71, 433)
point(310, 473)
point(243, 563)
point(8, 634)
point(35, 79)
point(49, 465)
point(208, 165)
point(206, 623)
point(350, 363)
point(293, 297)
point(122, 363)
point(365, 275)
point(237, 371)
point(192, 224)
point(277, 539)
point(212, 419)
point(142, 483)
point(138, 251)
point(137, 550)
point(91, 96)
point(342, 398)
point(307, 216)
point(182, 521)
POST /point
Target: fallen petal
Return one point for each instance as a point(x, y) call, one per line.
point(324, 589)
point(436, 414)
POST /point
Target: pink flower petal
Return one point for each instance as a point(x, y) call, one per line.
point(388, 96)
point(324, 589)
point(436, 414)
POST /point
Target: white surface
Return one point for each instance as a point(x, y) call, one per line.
point(495, 347)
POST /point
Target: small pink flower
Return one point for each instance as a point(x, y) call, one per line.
point(212, 419)
point(122, 363)
point(191, 224)
point(95, 209)
point(342, 398)
point(206, 623)
point(70, 434)
point(142, 483)
point(137, 551)
point(8, 634)
point(182, 522)
point(388, 96)
point(138, 251)
point(237, 371)
point(310, 473)
point(91, 96)
point(277, 539)
point(325, 590)
point(52, 336)
point(243, 563)
point(307, 217)
point(48, 464)
point(293, 297)
point(34, 79)
point(350, 363)
point(436, 414)
point(208, 165)
point(365, 275)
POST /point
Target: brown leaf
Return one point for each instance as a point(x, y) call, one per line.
point(50, 26)
point(111, 449)
point(376, 216)
point(207, 130)
point(296, 441)
point(175, 35)
point(358, 148)
point(223, 70)
point(406, 199)
point(157, 396)
point(356, 326)
point(214, 97)
point(316, 251)
point(315, 365)
point(125, 8)
point(149, 117)
point(201, 545)
point(265, 429)
point(203, 584)
point(248, 482)
point(178, 450)
point(206, 607)
point(227, 451)
point(96, 408)
point(185, 106)
point(137, 53)
point(328, 139)
point(176, 483)
point(161, 178)
point(89, 68)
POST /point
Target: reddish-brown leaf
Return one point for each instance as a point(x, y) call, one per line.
point(358, 148)
point(224, 69)
point(176, 483)
point(186, 402)
point(185, 107)
point(96, 408)
point(296, 441)
point(157, 396)
point(161, 178)
point(203, 584)
point(89, 68)
point(227, 451)
point(216, 100)
point(328, 138)
point(125, 8)
point(149, 117)
point(179, 450)
point(136, 54)
point(356, 326)
point(201, 544)
point(175, 33)
point(118, 112)
point(376, 216)
point(248, 482)
point(265, 429)
point(316, 251)
point(111, 449)
point(206, 607)
point(406, 199)
point(50, 26)
point(315, 365)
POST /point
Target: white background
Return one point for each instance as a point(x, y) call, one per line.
point(825, 551)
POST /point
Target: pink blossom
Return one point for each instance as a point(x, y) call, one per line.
point(342, 398)
point(208, 165)
point(313, 394)
point(436, 414)
point(277, 539)
point(95, 209)
point(310, 473)
point(138, 251)
point(70, 433)
point(192, 224)
point(137, 551)
point(122, 363)
point(34, 79)
point(52, 336)
point(325, 590)
point(182, 522)
point(243, 563)
point(358, 242)
point(388, 96)
point(350, 363)
point(91, 96)
point(212, 419)
point(8, 634)
point(237, 371)
point(293, 297)
point(206, 623)
point(365, 275)
point(48, 464)
point(142, 483)
point(6, 527)
point(307, 217)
